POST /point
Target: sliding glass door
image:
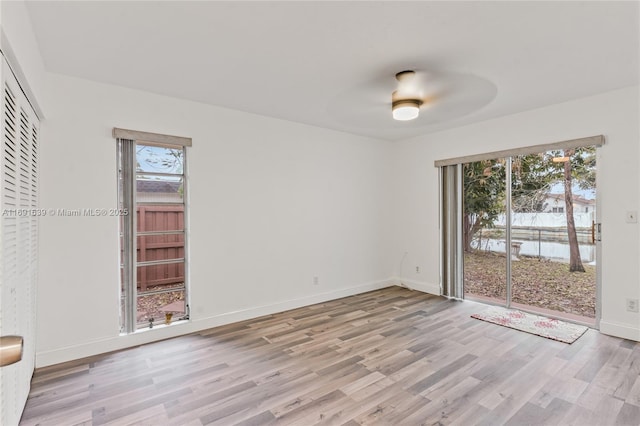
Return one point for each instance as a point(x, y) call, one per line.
point(484, 234)
point(528, 232)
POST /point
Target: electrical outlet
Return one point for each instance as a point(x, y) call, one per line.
point(632, 305)
point(316, 280)
point(417, 269)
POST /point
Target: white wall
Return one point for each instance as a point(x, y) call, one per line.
point(19, 45)
point(272, 204)
point(613, 114)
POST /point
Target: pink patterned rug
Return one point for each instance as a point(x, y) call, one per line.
point(541, 326)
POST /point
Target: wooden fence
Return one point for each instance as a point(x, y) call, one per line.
point(155, 218)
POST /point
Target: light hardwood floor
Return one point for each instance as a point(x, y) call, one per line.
point(391, 356)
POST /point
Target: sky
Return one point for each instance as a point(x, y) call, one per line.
point(589, 194)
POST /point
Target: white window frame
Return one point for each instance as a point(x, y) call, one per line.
point(126, 152)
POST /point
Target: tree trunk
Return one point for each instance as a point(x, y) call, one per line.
point(467, 235)
point(575, 262)
point(471, 226)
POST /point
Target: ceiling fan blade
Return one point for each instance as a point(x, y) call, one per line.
point(444, 95)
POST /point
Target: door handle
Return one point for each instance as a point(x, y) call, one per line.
point(10, 349)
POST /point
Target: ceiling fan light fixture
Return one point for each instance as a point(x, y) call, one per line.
point(406, 109)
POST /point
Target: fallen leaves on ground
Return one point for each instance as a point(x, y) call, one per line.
point(149, 306)
point(541, 283)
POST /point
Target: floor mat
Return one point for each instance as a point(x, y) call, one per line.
point(541, 326)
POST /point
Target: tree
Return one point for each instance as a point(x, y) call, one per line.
point(577, 166)
point(531, 181)
point(485, 191)
point(575, 261)
point(532, 176)
point(484, 195)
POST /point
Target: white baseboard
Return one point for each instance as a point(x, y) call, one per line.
point(162, 332)
point(96, 347)
point(616, 329)
point(417, 285)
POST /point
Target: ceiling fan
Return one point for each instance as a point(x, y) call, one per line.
point(417, 97)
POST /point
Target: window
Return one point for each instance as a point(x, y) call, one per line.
point(153, 249)
point(557, 210)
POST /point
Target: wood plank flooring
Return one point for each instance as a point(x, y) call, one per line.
point(391, 356)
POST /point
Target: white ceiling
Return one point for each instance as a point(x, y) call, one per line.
point(332, 64)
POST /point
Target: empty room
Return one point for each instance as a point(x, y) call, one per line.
point(320, 212)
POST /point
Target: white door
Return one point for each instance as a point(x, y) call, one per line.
point(18, 240)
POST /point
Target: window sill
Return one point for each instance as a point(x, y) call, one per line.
point(157, 327)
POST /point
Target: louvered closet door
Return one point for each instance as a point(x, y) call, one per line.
point(18, 241)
